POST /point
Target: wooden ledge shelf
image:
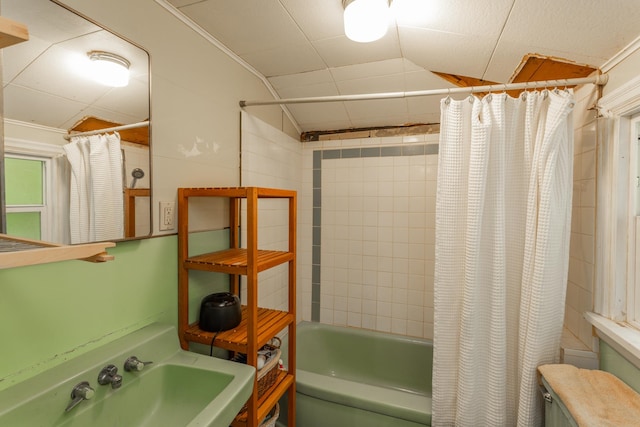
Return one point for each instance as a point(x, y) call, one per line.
point(18, 252)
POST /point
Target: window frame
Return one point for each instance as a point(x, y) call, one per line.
point(52, 225)
point(633, 261)
point(615, 284)
point(44, 209)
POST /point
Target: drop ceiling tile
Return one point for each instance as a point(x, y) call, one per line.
point(320, 19)
point(369, 69)
point(478, 19)
point(132, 100)
point(432, 50)
point(600, 29)
point(318, 113)
point(285, 60)
point(340, 51)
point(362, 110)
point(55, 23)
point(264, 25)
point(420, 105)
point(57, 64)
point(388, 83)
point(301, 79)
point(320, 89)
point(410, 66)
point(424, 80)
point(15, 58)
point(109, 115)
point(34, 107)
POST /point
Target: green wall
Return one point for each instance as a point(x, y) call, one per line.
point(53, 312)
point(613, 362)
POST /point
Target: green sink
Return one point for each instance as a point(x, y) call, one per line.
point(178, 389)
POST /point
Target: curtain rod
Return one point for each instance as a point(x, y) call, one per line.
point(105, 130)
point(600, 80)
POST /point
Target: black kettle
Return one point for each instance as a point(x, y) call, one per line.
point(220, 312)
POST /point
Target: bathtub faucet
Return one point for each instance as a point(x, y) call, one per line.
point(81, 391)
point(109, 375)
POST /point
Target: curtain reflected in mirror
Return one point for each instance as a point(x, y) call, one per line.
point(76, 147)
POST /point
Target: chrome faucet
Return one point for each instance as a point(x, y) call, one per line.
point(134, 364)
point(109, 375)
point(81, 391)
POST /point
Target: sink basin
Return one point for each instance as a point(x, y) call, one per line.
point(178, 389)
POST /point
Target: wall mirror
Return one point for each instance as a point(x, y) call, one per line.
point(64, 188)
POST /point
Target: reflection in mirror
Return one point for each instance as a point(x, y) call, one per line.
point(62, 183)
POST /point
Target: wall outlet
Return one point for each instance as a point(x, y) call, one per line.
point(167, 216)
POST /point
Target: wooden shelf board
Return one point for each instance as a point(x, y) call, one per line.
point(237, 192)
point(270, 322)
point(234, 261)
point(12, 32)
point(268, 400)
point(23, 252)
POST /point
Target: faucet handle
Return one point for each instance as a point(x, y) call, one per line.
point(134, 364)
point(81, 391)
point(109, 375)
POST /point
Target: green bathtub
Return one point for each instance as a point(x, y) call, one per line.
point(352, 377)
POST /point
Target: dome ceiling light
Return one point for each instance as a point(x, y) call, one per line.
point(109, 69)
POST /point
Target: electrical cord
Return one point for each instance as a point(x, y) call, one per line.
point(212, 341)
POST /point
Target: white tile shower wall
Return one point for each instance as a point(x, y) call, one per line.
point(580, 283)
point(272, 159)
point(374, 209)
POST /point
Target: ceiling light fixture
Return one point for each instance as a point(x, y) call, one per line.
point(109, 69)
point(365, 20)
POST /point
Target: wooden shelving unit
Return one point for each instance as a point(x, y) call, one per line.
point(259, 325)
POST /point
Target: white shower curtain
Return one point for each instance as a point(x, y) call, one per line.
point(503, 215)
point(96, 200)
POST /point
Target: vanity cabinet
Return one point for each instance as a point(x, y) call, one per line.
point(259, 325)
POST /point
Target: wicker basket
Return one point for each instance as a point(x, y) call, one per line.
point(269, 373)
point(272, 417)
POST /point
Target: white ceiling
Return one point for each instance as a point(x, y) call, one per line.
point(39, 82)
point(300, 47)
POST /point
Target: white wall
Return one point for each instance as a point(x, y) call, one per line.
point(272, 159)
point(581, 280)
point(195, 89)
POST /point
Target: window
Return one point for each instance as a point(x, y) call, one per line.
point(26, 194)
